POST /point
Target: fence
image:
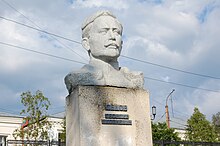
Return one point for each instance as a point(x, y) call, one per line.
point(34, 143)
point(184, 143)
point(155, 143)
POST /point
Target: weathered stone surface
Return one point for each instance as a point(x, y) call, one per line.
point(96, 76)
point(102, 38)
point(86, 108)
point(90, 121)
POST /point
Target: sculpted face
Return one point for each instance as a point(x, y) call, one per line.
point(105, 40)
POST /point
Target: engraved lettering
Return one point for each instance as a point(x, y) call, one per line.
point(116, 108)
point(116, 122)
point(116, 116)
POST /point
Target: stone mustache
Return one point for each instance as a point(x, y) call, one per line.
point(102, 38)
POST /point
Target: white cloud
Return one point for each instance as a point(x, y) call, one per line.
point(116, 4)
point(166, 79)
point(152, 51)
point(207, 102)
point(209, 106)
point(168, 33)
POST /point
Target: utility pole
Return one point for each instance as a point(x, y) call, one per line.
point(167, 111)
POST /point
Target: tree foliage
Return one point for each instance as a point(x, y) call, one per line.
point(216, 124)
point(199, 129)
point(63, 134)
point(35, 111)
point(160, 131)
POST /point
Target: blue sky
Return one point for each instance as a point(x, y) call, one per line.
point(179, 34)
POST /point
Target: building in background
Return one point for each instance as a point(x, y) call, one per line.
point(10, 122)
point(181, 133)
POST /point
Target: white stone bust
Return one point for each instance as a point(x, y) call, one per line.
point(102, 38)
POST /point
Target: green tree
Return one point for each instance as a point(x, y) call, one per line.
point(199, 129)
point(35, 112)
point(216, 124)
point(160, 131)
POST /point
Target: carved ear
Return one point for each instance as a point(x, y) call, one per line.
point(85, 43)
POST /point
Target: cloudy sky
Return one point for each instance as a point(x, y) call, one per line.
point(177, 41)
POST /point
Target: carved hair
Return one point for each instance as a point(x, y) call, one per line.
point(86, 26)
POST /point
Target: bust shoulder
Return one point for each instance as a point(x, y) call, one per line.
point(93, 75)
point(136, 77)
point(87, 75)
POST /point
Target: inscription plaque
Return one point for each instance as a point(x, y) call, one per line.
point(116, 119)
point(116, 122)
point(116, 116)
point(110, 107)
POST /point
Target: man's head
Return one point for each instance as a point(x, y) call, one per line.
point(102, 36)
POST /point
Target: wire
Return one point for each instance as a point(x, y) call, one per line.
point(58, 57)
point(40, 30)
point(32, 21)
point(161, 117)
point(8, 111)
point(171, 68)
point(63, 111)
point(56, 107)
point(16, 10)
point(179, 119)
point(178, 123)
point(52, 34)
point(171, 99)
point(46, 32)
point(42, 53)
point(175, 111)
point(147, 62)
point(11, 45)
point(188, 86)
point(181, 113)
point(84, 63)
point(157, 102)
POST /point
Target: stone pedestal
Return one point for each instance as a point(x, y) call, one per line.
point(108, 116)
